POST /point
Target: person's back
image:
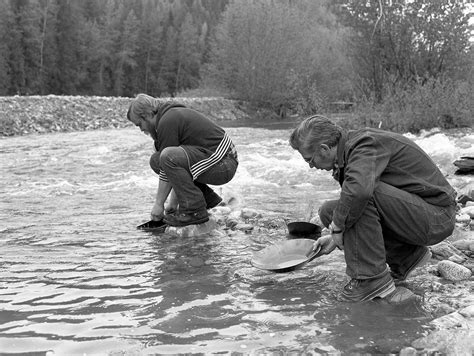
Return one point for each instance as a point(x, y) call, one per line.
point(401, 163)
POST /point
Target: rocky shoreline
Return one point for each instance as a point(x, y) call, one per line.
point(23, 115)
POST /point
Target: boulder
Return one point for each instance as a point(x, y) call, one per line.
point(453, 271)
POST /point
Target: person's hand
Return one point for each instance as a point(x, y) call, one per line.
point(326, 243)
point(157, 212)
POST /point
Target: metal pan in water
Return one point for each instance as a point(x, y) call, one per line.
point(153, 225)
point(285, 256)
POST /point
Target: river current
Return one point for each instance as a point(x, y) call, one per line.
point(78, 278)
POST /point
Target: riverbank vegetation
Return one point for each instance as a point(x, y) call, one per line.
point(402, 66)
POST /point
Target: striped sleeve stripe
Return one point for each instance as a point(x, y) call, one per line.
point(201, 166)
point(162, 176)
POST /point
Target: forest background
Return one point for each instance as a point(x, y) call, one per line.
point(408, 64)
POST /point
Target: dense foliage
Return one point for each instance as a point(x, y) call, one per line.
point(98, 47)
point(395, 59)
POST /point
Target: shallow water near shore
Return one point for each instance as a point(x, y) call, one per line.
point(78, 278)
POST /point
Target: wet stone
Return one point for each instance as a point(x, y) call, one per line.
point(249, 213)
point(449, 321)
point(244, 227)
point(457, 259)
point(464, 244)
point(193, 230)
point(463, 219)
point(408, 351)
point(467, 312)
point(468, 210)
point(453, 271)
point(444, 250)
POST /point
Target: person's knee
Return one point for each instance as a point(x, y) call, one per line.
point(165, 157)
point(155, 162)
point(172, 157)
point(326, 210)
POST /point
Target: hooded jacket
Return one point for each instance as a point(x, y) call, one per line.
point(177, 125)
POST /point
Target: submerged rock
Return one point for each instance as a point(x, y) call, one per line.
point(453, 271)
point(193, 230)
point(447, 342)
point(449, 321)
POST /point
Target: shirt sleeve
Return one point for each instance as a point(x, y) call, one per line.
point(366, 160)
point(168, 135)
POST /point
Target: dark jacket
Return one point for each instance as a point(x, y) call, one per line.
point(368, 156)
point(180, 126)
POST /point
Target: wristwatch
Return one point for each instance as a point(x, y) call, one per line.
point(333, 230)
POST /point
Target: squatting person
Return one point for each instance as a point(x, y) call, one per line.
point(394, 201)
point(191, 152)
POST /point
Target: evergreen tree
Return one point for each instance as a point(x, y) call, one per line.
point(5, 35)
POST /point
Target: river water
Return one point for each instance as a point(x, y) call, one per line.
point(78, 278)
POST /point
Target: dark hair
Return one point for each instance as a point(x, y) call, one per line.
point(314, 131)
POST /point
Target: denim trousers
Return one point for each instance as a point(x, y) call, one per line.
point(392, 229)
point(192, 194)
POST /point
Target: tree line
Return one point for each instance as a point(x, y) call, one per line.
point(104, 47)
point(297, 55)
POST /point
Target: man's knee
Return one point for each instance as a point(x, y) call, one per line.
point(166, 157)
point(326, 210)
point(155, 162)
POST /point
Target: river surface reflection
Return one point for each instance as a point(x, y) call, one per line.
point(78, 278)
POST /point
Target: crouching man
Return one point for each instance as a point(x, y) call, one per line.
point(394, 202)
point(191, 152)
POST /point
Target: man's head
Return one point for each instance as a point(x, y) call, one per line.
point(141, 112)
point(316, 139)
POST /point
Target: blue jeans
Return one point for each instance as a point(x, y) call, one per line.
point(392, 229)
point(192, 195)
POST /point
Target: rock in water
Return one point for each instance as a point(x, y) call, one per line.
point(193, 230)
point(453, 271)
point(465, 165)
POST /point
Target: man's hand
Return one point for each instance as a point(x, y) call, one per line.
point(326, 243)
